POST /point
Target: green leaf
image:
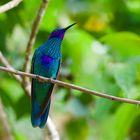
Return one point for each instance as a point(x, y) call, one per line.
point(118, 125)
point(123, 43)
point(124, 119)
point(11, 88)
point(77, 47)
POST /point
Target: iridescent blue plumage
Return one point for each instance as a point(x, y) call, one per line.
point(46, 62)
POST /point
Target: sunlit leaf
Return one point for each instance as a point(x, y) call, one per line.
point(123, 43)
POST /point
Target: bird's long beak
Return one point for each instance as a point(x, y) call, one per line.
point(69, 26)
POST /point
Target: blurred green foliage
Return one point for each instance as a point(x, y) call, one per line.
point(101, 53)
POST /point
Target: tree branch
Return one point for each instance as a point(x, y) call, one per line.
point(49, 130)
point(72, 86)
point(34, 31)
point(9, 5)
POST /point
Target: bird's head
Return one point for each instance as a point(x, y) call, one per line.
point(59, 32)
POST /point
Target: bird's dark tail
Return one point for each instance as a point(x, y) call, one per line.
point(41, 120)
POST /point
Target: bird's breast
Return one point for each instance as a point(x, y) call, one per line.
point(48, 65)
point(46, 60)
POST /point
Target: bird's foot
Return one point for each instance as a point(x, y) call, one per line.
point(40, 79)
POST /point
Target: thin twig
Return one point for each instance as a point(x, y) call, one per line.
point(72, 86)
point(9, 5)
point(34, 31)
point(52, 130)
point(5, 131)
point(4, 61)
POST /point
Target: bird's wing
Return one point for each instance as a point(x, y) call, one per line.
point(47, 98)
point(48, 87)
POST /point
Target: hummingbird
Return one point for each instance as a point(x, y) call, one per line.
point(45, 62)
